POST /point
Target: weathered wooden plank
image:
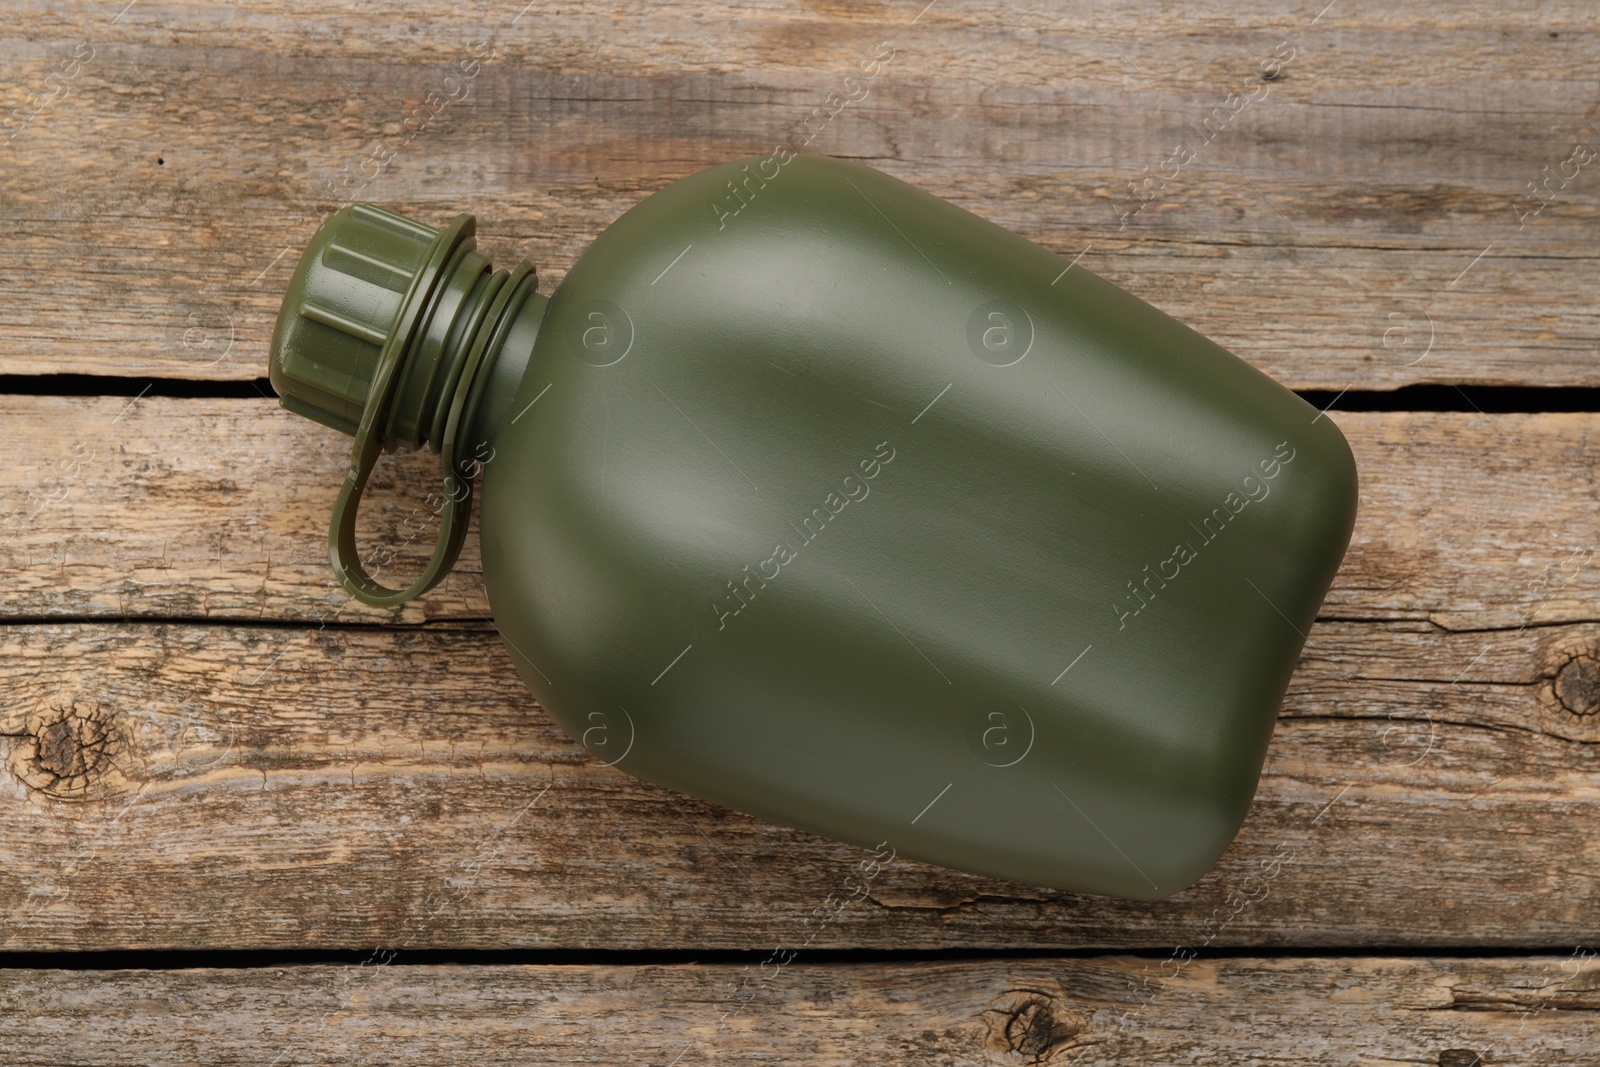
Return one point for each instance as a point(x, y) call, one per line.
point(209, 509)
point(1536, 1011)
point(165, 167)
point(218, 510)
point(170, 785)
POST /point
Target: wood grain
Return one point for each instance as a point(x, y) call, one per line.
point(203, 509)
point(1532, 1011)
point(1364, 221)
point(217, 510)
point(177, 785)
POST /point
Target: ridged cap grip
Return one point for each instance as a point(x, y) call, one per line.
point(340, 307)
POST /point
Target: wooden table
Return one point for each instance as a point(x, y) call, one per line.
point(243, 820)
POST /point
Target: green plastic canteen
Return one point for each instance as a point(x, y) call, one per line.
point(815, 495)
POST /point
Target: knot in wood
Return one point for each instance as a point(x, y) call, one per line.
point(1030, 1027)
point(1577, 685)
point(64, 752)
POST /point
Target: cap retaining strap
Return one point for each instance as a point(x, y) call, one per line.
point(368, 444)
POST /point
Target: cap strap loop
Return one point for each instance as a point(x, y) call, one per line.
point(457, 504)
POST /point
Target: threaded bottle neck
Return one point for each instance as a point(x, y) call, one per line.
point(454, 352)
point(430, 372)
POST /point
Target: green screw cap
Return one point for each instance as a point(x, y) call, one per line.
point(342, 306)
point(383, 332)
